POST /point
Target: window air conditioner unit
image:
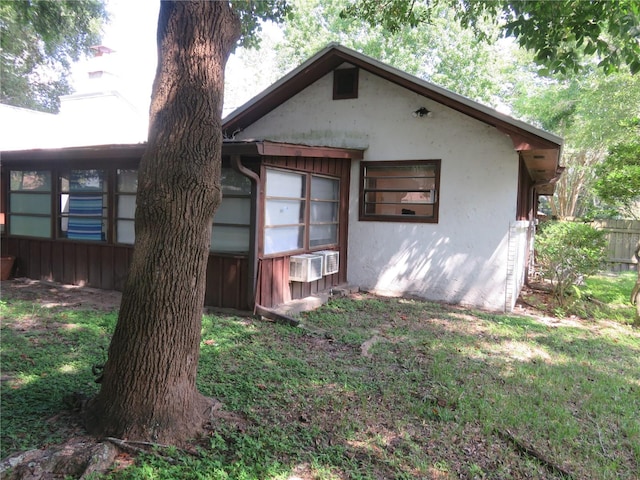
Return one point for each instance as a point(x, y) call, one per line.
point(331, 262)
point(305, 268)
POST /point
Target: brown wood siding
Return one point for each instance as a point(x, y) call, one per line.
point(106, 267)
point(274, 287)
point(227, 281)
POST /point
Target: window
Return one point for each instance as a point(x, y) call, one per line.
point(403, 191)
point(284, 211)
point(83, 205)
point(323, 220)
point(231, 231)
point(232, 222)
point(301, 211)
point(127, 187)
point(30, 203)
point(345, 83)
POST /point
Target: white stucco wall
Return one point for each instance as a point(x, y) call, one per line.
point(463, 258)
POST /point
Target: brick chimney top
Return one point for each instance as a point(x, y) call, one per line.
point(100, 50)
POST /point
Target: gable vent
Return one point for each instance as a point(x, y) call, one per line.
point(345, 83)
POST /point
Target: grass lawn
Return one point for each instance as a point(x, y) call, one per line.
point(600, 297)
point(372, 388)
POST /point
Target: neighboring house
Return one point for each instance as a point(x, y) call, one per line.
point(406, 188)
point(18, 127)
point(97, 113)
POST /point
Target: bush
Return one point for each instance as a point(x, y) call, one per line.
point(566, 252)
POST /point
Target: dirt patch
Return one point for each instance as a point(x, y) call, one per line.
point(57, 295)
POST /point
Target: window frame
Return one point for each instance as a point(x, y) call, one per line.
point(364, 217)
point(318, 200)
point(306, 223)
point(104, 192)
point(246, 227)
point(120, 194)
point(57, 173)
point(110, 177)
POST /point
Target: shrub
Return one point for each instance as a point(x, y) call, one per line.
point(566, 252)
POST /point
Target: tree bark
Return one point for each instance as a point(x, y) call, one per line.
point(148, 391)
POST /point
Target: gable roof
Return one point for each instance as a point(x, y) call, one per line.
point(539, 149)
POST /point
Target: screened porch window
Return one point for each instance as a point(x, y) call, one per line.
point(301, 211)
point(232, 222)
point(30, 203)
point(403, 191)
point(83, 205)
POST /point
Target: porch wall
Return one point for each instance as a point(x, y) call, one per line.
point(106, 267)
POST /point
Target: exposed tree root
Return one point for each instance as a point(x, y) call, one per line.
point(136, 447)
point(366, 346)
point(77, 458)
point(154, 449)
point(531, 452)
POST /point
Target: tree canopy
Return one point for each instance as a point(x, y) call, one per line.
point(445, 53)
point(39, 40)
point(618, 176)
point(565, 35)
point(590, 111)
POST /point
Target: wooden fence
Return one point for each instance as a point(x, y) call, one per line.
point(622, 236)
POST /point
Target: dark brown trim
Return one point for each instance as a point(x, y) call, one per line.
point(110, 153)
point(84, 154)
point(275, 149)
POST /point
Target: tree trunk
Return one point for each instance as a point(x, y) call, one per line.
point(571, 196)
point(148, 389)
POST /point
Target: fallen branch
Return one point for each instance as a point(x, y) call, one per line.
point(604, 451)
point(127, 446)
point(531, 452)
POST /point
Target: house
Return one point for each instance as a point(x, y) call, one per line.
point(344, 171)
